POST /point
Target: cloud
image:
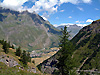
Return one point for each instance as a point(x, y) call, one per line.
point(13, 4)
point(55, 25)
point(45, 5)
point(89, 20)
point(83, 25)
point(96, 9)
point(87, 1)
point(79, 21)
point(45, 16)
point(71, 1)
point(48, 6)
point(80, 8)
point(70, 17)
point(62, 10)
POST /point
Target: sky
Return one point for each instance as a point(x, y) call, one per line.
point(59, 12)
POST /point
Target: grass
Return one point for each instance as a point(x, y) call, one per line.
point(5, 70)
point(44, 57)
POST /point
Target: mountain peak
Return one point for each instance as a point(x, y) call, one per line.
point(29, 30)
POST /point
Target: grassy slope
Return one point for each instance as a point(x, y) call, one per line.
point(4, 70)
point(87, 41)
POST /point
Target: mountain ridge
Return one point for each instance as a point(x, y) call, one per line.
point(29, 30)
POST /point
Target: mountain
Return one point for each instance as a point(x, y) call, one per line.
point(73, 29)
point(87, 52)
point(28, 30)
point(86, 56)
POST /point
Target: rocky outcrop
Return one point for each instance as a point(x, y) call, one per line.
point(8, 61)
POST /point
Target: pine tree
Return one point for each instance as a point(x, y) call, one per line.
point(12, 47)
point(24, 58)
point(28, 57)
point(64, 61)
point(9, 44)
point(5, 47)
point(2, 41)
point(18, 51)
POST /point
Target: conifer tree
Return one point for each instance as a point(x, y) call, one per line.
point(5, 47)
point(64, 61)
point(9, 44)
point(28, 57)
point(12, 47)
point(24, 58)
point(18, 51)
point(2, 41)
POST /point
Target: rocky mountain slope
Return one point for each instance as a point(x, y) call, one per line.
point(86, 56)
point(29, 30)
point(73, 29)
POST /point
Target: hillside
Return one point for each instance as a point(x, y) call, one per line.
point(86, 56)
point(88, 47)
point(28, 30)
point(10, 64)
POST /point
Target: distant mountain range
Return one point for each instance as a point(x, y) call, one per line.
point(28, 30)
point(73, 29)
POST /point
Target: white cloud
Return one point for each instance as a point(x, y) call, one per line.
point(49, 6)
point(55, 25)
point(71, 1)
point(45, 16)
point(87, 1)
point(13, 4)
point(96, 9)
point(80, 8)
point(40, 5)
point(67, 24)
point(83, 25)
point(89, 20)
point(70, 17)
point(61, 10)
point(79, 21)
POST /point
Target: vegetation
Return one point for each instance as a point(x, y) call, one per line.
point(24, 58)
point(26, 63)
point(5, 47)
point(86, 56)
point(18, 51)
point(5, 70)
point(65, 62)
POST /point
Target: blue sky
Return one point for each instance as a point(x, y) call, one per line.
point(59, 12)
